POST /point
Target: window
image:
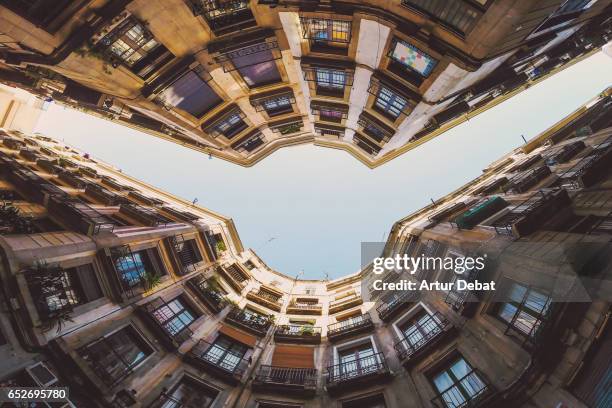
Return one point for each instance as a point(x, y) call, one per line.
point(569, 11)
point(413, 58)
point(326, 30)
point(458, 384)
point(524, 308)
point(130, 41)
point(174, 316)
point(225, 353)
point(115, 356)
point(279, 105)
point(190, 93)
point(330, 78)
point(188, 393)
point(224, 16)
point(331, 115)
point(256, 65)
point(389, 102)
point(134, 267)
point(40, 12)
point(420, 329)
point(457, 14)
point(188, 252)
point(358, 360)
point(374, 131)
point(231, 125)
point(371, 401)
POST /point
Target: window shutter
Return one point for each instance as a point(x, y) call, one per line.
point(293, 356)
point(89, 282)
point(239, 336)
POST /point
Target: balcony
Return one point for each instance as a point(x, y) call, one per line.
point(389, 308)
point(146, 216)
point(415, 344)
point(229, 367)
point(224, 16)
point(296, 333)
point(213, 299)
point(79, 215)
point(469, 391)
point(480, 212)
point(352, 326)
point(345, 303)
point(524, 181)
point(365, 370)
point(250, 322)
point(234, 276)
point(304, 308)
point(286, 379)
point(266, 298)
point(590, 169)
point(465, 302)
point(528, 216)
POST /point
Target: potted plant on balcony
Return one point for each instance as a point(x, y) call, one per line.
point(12, 222)
point(47, 285)
point(151, 280)
point(307, 331)
point(220, 245)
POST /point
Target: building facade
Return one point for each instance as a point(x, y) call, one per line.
point(133, 297)
point(240, 79)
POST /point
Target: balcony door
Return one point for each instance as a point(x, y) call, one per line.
point(226, 353)
point(418, 330)
point(357, 361)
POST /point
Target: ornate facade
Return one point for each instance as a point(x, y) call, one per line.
point(133, 297)
point(239, 79)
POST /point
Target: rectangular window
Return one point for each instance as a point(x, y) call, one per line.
point(134, 267)
point(188, 252)
point(524, 308)
point(130, 42)
point(358, 360)
point(389, 102)
point(277, 106)
point(458, 384)
point(188, 393)
point(231, 125)
point(330, 78)
point(225, 353)
point(412, 58)
point(115, 356)
point(174, 316)
point(420, 329)
point(190, 93)
point(256, 64)
point(331, 115)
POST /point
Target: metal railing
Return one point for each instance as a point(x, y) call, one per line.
point(349, 324)
point(585, 164)
point(86, 219)
point(224, 360)
point(468, 391)
point(222, 14)
point(341, 304)
point(249, 320)
point(210, 296)
point(386, 308)
point(503, 226)
point(356, 368)
point(305, 307)
point(419, 337)
point(297, 330)
point(148, 216)
point(291, 376)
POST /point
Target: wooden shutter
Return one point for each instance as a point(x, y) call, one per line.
point(239, 336)
point(89, 282)
point(293, 356)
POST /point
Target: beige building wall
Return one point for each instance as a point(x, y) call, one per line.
point(19, 110)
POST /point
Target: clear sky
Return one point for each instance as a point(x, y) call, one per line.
point(309, 208)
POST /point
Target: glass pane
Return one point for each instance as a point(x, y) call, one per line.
point(191, 94)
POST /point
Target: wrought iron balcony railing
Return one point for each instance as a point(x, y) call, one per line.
point(345, 303)
point(224, 16)
point(588, 170)
point(269, 300)
point(418, 339)
point(305, 308)
point(223, 362)
point(84, 218)
point(298, 333)
point(469, 391)
point(256, 324)
point(354, 324)
point(356, 369)
point(388, 308)
point(234, 276)
point(214, 299)
point(287, 376)
point(147, 216)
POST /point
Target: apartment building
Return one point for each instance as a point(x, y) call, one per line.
point(240, 79)
point(133, 297)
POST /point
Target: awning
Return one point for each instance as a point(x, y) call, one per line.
point(293, 356)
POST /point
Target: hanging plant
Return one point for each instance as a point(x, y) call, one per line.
point(11, 222)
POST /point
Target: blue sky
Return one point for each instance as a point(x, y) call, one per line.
point(309, 208)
